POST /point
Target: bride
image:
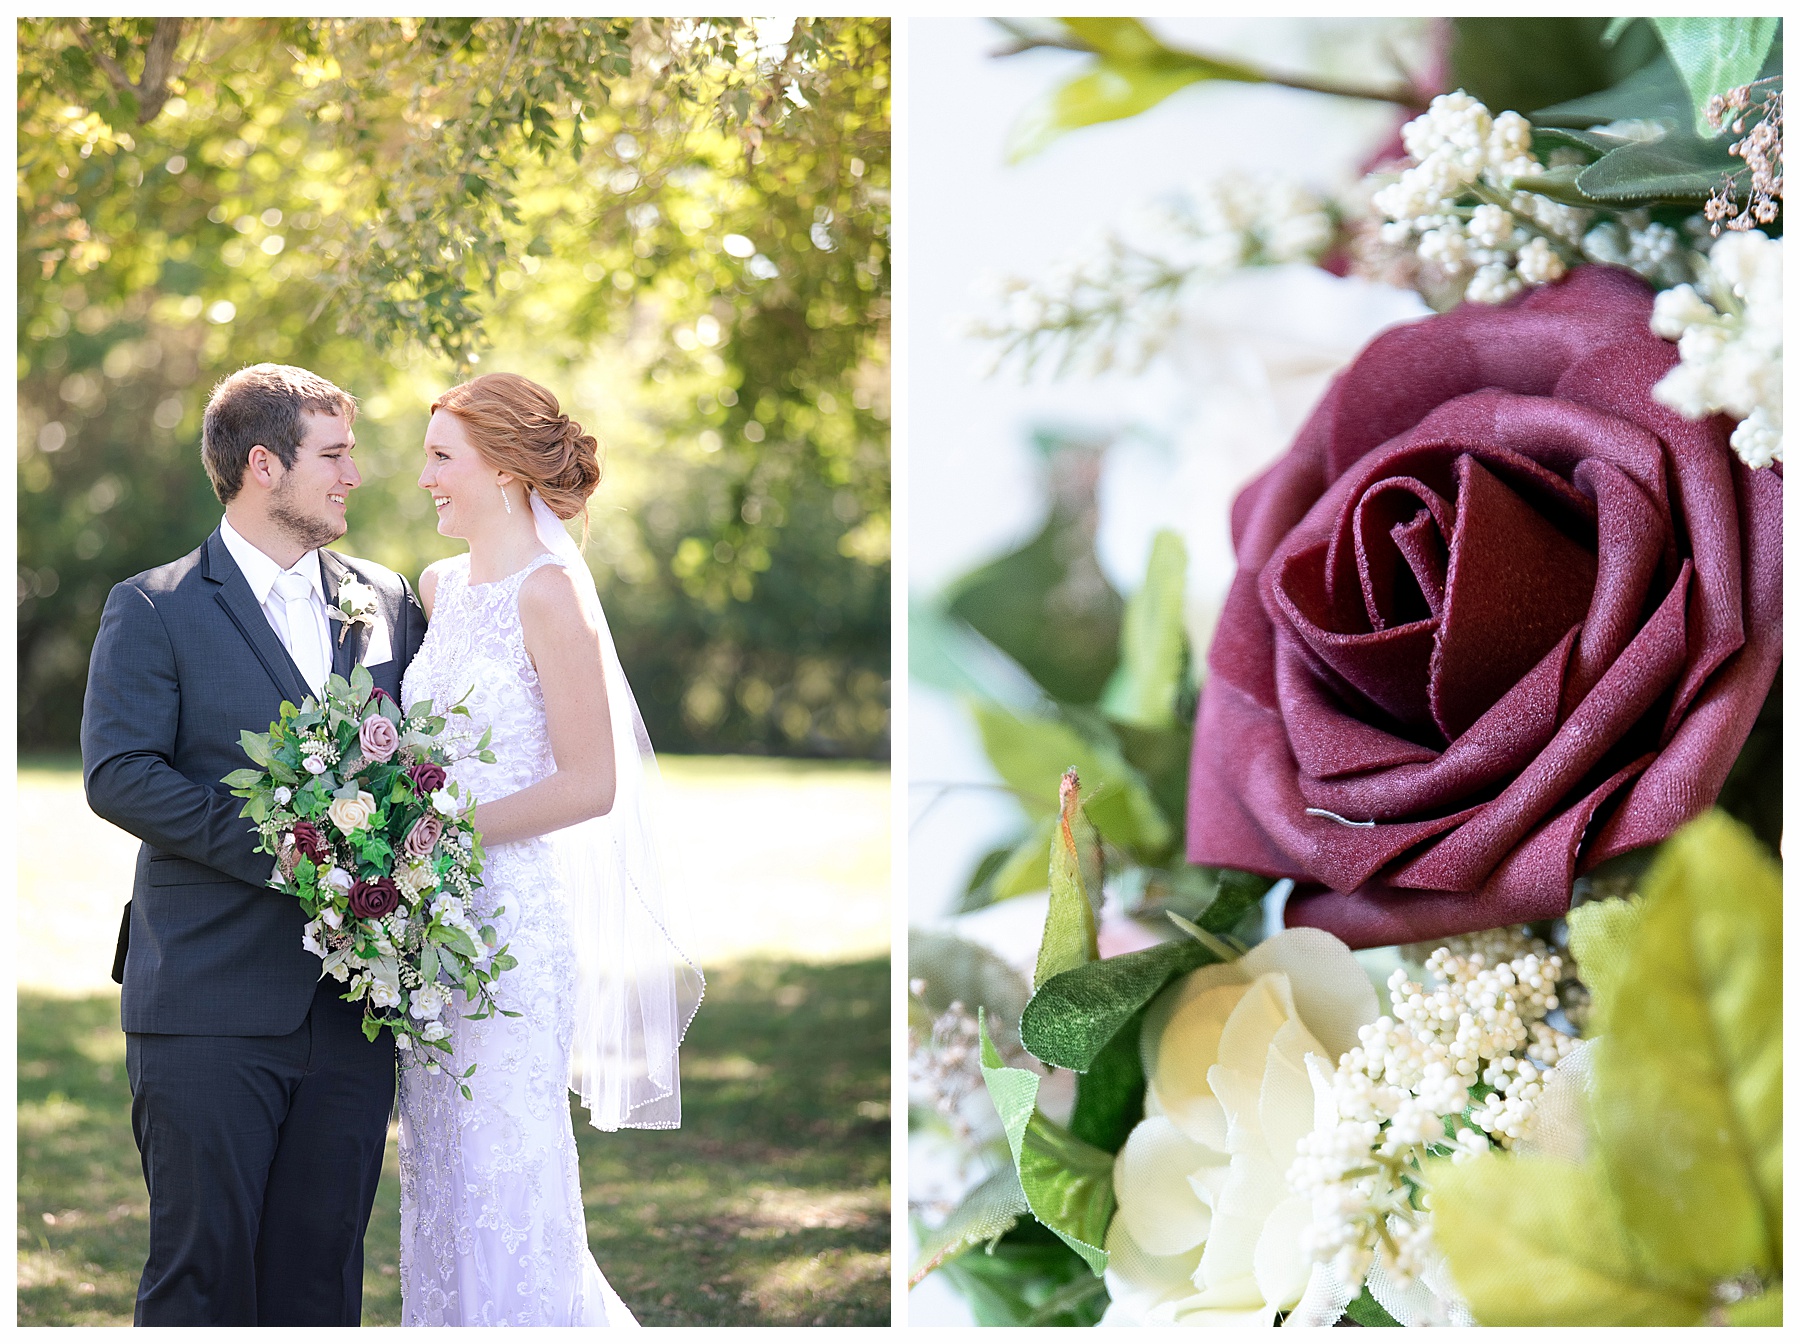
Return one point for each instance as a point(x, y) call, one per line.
point(491, 1225)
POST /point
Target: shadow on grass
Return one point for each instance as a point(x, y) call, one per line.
point(768, 1207)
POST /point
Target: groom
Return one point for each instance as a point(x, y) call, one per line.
point(259, 1108)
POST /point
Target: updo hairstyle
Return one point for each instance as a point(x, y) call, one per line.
point(518, 427)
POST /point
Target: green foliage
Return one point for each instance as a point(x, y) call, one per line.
point(1071, 922)
point(1679, 1206)
point(1715, 56)
point(1521, 64)
point(1028, 1277)
point(680, 230)
point(1109, 1096)
point(1145, 689)
point(987, 1213)
point(1365, 1310)
point(1067, 1183)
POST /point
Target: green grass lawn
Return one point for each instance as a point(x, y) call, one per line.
point(768, 1207)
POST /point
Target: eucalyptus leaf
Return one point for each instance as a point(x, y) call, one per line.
point(242, 779)
point(256, 747)
point(1067, 1183)
point(1715, 55)
point(1146, 686)
point(1532, 1241)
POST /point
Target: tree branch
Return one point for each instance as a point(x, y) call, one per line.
point(152, 87)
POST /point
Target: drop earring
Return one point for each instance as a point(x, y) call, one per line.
point(503, 497)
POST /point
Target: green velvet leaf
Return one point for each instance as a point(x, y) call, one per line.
point(1071, 929)
point(986, 1213)
point(1526, 62)
point(1031, 755)
point(1365, 1310)
point(1715, 55)
point(1072, 1016)
point(1687, 1091)
point(1067, 1183)
point(1014, 1280)
point(1536, 1242)
point(1653, 93)
point(1146, 686)
point(1109, 1097)
point(1679, 169)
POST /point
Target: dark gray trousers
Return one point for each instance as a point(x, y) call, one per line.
point(262, 1155)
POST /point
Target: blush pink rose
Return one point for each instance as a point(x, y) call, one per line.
point(1499, 616)
point(423, 837)
point(379, 738)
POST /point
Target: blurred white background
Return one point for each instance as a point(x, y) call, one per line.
point(975, 486)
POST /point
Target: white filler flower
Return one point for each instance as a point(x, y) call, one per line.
point(1208, 1232)
point(1730, 336)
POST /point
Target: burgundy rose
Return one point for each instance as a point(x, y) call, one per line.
point(423, 836)
point(310, 841)
point(379, 738)
point(377, 695)
point(1499, 616)
point(373, 899)
point(427, 777)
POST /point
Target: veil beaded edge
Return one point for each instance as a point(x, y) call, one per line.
point(637, 990)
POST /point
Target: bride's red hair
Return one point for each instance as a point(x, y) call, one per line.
point(518, 427)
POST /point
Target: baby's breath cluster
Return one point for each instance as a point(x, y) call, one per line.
point(1728, 325)
point(1457, 205)
point(946, 1060)
point(1115, 305)
point(1454, 1070)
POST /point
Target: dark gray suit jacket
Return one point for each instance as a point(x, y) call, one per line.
point(185, 660)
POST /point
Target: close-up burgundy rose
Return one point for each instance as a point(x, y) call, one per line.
point(1499, 616)
point(423, 837)
point(310, 841)
point(379, 738)
point(427, 777)
point(372, 899)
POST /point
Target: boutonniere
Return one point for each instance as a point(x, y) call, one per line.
point(355, 606)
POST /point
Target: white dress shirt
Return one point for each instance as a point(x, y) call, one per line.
point(310, 644)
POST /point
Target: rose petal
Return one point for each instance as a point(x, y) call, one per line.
point(1182, 1044)
point(1150, 1178)
point(1329, 988)
point(1138, 1282)
point(1281, 1269)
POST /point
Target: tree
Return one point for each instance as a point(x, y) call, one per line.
point(685, 221)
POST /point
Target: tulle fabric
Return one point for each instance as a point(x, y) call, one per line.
point(637, 989)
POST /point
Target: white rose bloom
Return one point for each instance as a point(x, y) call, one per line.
point(350, 815)
point(433, 1031)
point(315, 765)
point(332, 918)
point(339, 880)
point(402, 1041)
point(428, 1001)
point(444, 802)
point(1229, 1097)
point(283, 794)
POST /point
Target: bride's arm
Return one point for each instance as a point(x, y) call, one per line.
point(564, 645)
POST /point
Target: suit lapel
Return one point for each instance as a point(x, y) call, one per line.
point(234, 595)
point(346, 645)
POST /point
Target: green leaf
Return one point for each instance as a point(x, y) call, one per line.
point(1531, 1241)
point(1678, 169)
point(1022, 870)
point(1365, 1310)
point(1022, 1274)
point(1615, 27)
point(1067, 1183)
point(986, 1213)
point(1134, 73)
point(1072, 1016)
point(1071, 930)
point(1146, 686)
point(1031, 754)
point(1715, 56)
point(256, 747)
point(428, 962)
point(1600, 937)
point(1109, 1097)
point(502, 962)
point(1654, 92)
point(1523, 63)
point(1687, 1089)
point(243, 779)
point(361, 683)
point(1764, 1309)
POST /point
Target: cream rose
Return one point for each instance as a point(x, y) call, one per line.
point(1207, 1231)
point(350, 815)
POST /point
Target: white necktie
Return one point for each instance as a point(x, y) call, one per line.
point(296, 595)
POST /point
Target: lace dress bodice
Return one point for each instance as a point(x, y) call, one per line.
point(492, 1228)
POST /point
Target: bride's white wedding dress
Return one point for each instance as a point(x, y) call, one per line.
point(491, 1224)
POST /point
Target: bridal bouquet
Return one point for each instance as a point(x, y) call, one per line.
point(354, 800)
point(1412, 949)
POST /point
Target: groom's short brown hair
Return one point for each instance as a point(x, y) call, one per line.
point(262, 404)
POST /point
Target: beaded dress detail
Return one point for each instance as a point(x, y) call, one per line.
point(491, 1224)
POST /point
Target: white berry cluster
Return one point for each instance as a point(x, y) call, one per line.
point(1457, 206)
point(1729, 330)
point(1114, 305)
point(1638, 243)
point(1454, 1070)
point(946, 1061)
